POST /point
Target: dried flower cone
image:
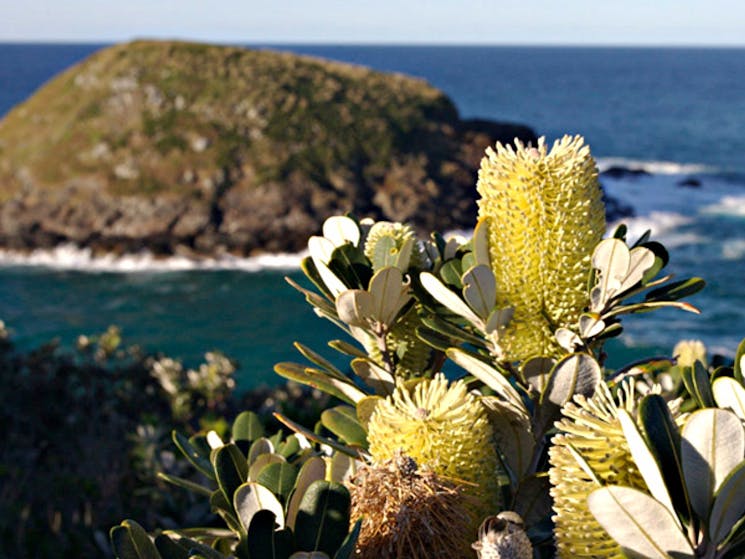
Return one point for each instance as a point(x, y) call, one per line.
point(592, 427)
point(545, 215)
point(444, 428)
point(503, 537)
point(408, 512)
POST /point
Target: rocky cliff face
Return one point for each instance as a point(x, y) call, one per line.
point(181, 147)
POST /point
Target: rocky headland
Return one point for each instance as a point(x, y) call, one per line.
point(185, 148)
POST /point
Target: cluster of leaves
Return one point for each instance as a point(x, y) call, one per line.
point(278, 497)
point(84, 439)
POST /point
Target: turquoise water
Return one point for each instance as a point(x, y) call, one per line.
point(678, 113)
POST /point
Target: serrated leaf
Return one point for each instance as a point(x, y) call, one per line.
point(247, 427)
point(342, 422)
point(488, 375)
point(729, 505)
point(638, 523)
point(253, 497)
point(480, 290)
point(646, 463)
point(323, 517)
point(729, 393)
point(712, 445)
point(577, 373)
point(341, 229)
point(448, 299)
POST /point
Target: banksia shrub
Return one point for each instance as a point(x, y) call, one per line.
point(444, 428)
point(545, 215)
point(503, 537)
point(591, 427)
point(408, 511)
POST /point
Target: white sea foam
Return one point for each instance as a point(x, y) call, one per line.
point(71, 257)
point(653, 167)
point(733, 249)
point(728, 205)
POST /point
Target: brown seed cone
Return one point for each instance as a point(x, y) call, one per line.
point(409, 512)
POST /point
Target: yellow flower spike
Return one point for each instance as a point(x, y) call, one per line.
point(592, 429)
point(444, 428)
point(545, 215)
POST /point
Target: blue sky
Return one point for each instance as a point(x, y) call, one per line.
point(629, 22)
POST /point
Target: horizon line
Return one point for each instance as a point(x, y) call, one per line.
point(399, 44)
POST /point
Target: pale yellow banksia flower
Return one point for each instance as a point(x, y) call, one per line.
point(592, 428)
point(545, 215)
point(444, 428)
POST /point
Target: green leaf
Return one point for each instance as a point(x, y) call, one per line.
point(389, 294)
point(258, 448)
point(347, 547)
point(676, 290)
point(729, 505)
point(170, 549)
point(186, 484)
point(355, 307)
point(663, 437)
point(315, 437)
point(645, 461)
point(712, 445)
point(536, 372)
point(448, 299)
point(377, 378)
point(247, 427)
point(319, 360)
point(342, 466)
point(252, 497)
point(451, 330)
point(347, 348)
point(196, 458)
point(313, 470)
point(641, 526)
point(264, 541)
point(480, 290)
point(341, 229)
point(611, 258)
point(130, 541)
point(342, 422)
point(344, 390)
point(512, 434)
point(323, 518)
point(740, 362)
point(231, 469)
point(488, 375)
point(480, 242)
point(279, 478)
point(729, 393)
point(261, 462)
point(577, 373)
point(532, 500)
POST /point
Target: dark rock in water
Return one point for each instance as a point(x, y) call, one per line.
point(690, 182)
point(615, 209)
point(619, 172)
point(190, 148)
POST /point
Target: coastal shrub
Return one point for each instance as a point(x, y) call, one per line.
point(477, 375)
point(86, 431)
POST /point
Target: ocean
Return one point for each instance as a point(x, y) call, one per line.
point(677, 114)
